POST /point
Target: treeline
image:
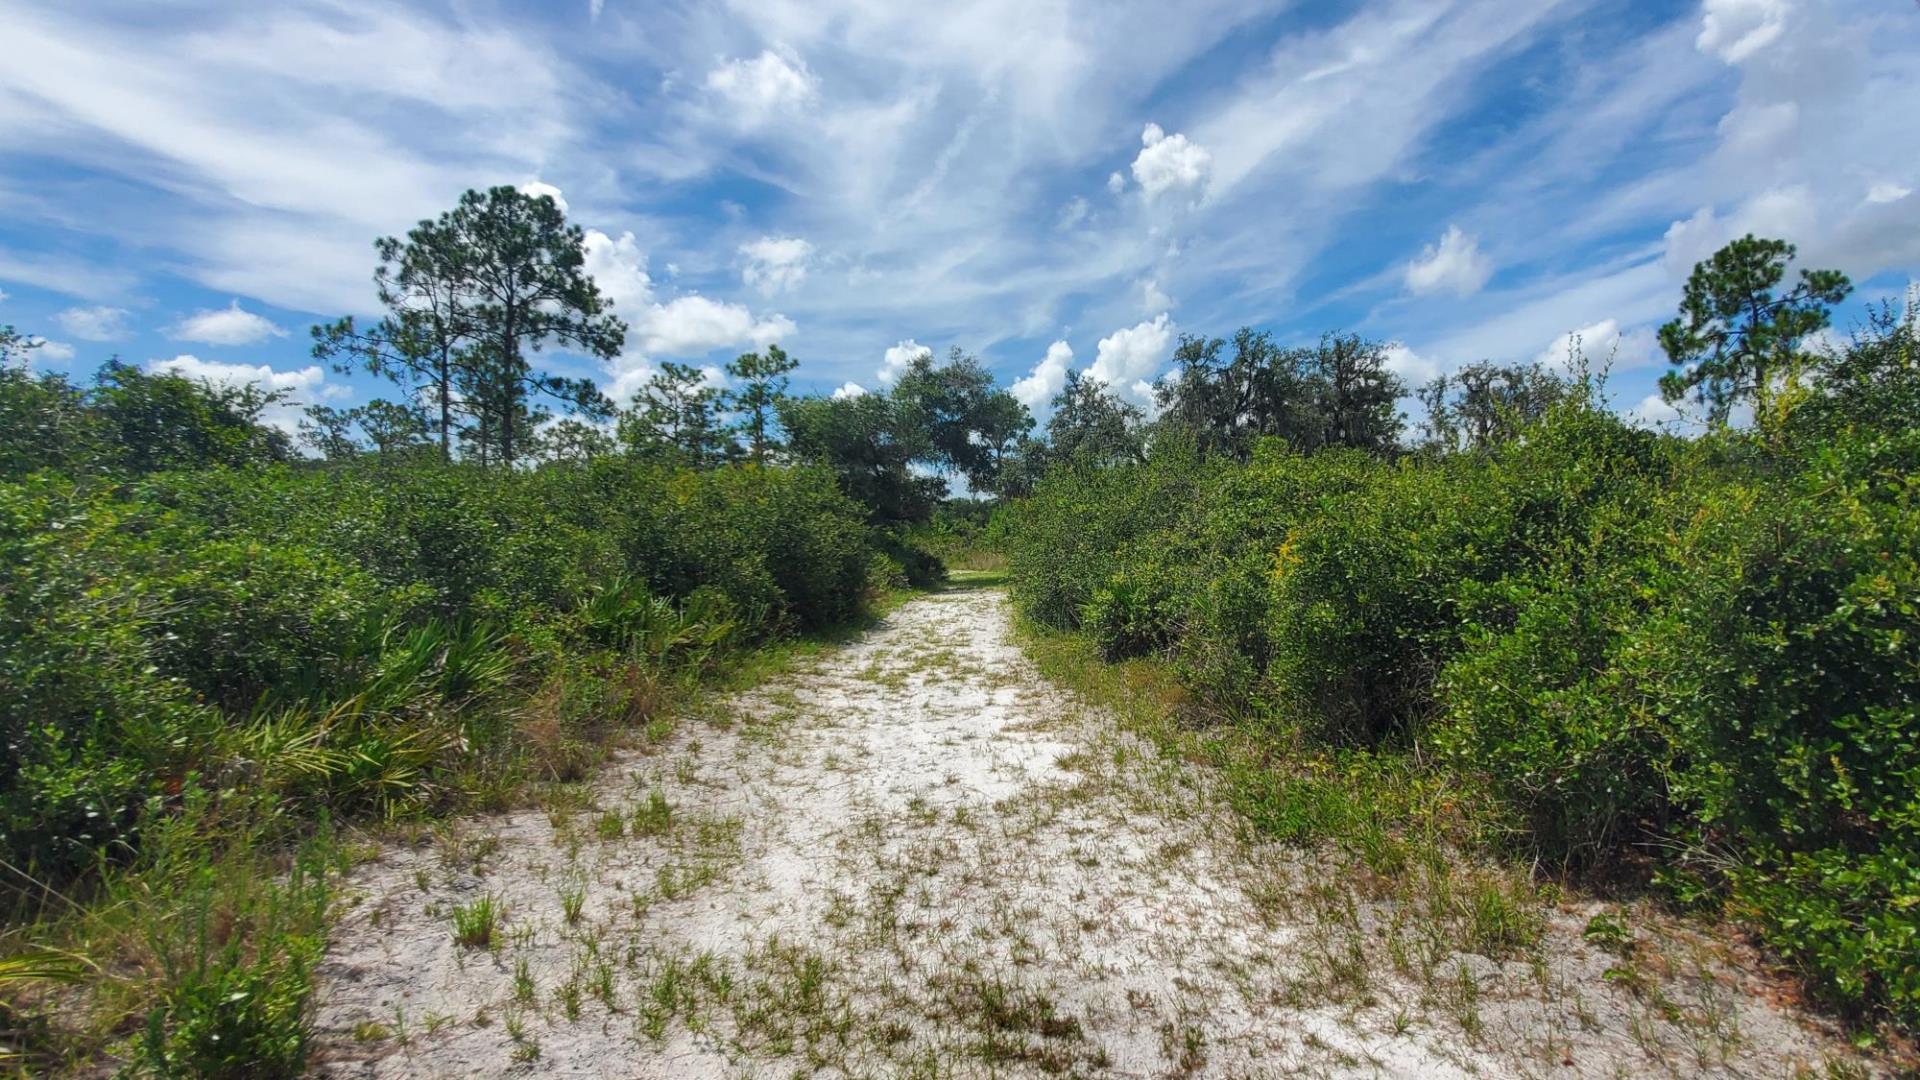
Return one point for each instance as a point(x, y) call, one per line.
point(1686, 665)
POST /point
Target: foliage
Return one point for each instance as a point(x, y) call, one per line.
point(763, 386)
point(233, 1008)
point(1483, 405)
point(1091, 423)
point(1689, 663)
point(1337, 394)
point(469, 295)
point(1734, 338)
point(871, 450)
point(676, 415)
point(964, 423)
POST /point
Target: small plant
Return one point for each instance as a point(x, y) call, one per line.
point(475, 924)
point(610, 825)
point(653, 817)
point(573, 900)
point(523, 987)
point(1609, 932)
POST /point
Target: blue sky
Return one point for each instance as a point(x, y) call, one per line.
point(1050, 184)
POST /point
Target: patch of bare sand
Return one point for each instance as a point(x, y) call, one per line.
point(916, 858)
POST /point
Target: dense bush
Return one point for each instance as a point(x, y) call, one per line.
point(1705, 650)
point(150, 629)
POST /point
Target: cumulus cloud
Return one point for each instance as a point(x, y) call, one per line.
point(231, 325)
point(1127, 360)
point(535, 188)
point(619, 267)
point(57, 351)
point(775, 263)
point(684, 325)
point(765, 84)
point(897, 357)
point(696, 324)
point(848, 390)
point(302, 386)
point(94, 323)
point(1806, 153)
point(1414, 370)
point(1048, 376)
point(1736, 29)
point(1454, 264)
point(1599, 344)
point(1169, 162)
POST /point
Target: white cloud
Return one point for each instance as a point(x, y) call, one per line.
point(57, 351)
point(1600, 344)
point(1455, 264)
point(630, 371)
point(536, 188)
point(894, 363)
point(695, 324)
point(1414, 370)
point(848, 390)
point(687, 325)
point(775, 263)
point(1807, 137)
point(619, 267)
point(1116, 182)
point(1168, 162)
point(94, 323)
point(1736, 29)
point(1038, 388)
point(764, 84)
point(327, 124)
point(1886, 192)
point(302, 386)
point(1153, 297)
point(1074, 212)
point(1128, 359)
point(1783, 213)
point(231, 325)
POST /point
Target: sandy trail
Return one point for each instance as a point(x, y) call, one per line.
point(913, 857)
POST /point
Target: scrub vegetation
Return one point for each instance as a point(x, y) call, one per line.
point(1536, 649)
point(1672, 667)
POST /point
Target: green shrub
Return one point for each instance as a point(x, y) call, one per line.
point(1069, 535)
point(238, 969)
point(1709, 650)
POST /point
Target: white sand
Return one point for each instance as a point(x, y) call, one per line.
point(916, 858)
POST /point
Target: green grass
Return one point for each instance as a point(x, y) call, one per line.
point(476, 924)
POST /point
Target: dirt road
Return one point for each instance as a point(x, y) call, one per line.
point(913, 857)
